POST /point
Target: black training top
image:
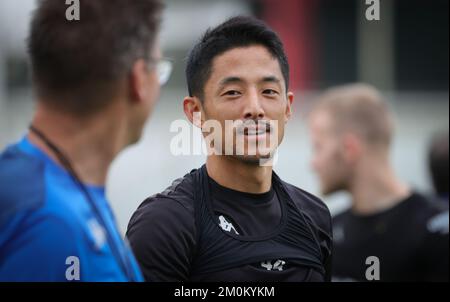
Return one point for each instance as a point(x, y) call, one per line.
point(410, 241)
point(197, 230)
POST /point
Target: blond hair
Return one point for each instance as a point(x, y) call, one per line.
point(359, 108)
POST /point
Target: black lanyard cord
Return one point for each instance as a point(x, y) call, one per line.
point(64, 160)
point(67, 165)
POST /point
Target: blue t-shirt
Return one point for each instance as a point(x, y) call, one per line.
point(48, 229)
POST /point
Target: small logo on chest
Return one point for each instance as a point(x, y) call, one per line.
point(277, 265)
point(226, 225)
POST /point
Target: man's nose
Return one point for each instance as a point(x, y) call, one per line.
point(253, 108)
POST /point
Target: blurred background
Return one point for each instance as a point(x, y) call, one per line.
point(405, 54)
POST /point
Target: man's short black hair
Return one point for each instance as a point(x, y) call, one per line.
point(438, 162)
point(238, 31)
point(81, 61)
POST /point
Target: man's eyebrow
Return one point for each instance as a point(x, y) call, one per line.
point(234, 79)
point(230, 80)
point(271, 79)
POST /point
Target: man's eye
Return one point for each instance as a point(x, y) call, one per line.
point(232, 93)
point(270, 92)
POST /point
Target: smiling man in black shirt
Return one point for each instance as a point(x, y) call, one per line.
point(234, 219)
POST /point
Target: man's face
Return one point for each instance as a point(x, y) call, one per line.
point(246, 85)
point(328, 159)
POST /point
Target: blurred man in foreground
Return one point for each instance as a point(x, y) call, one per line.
point(391, 233)
point(96, 82)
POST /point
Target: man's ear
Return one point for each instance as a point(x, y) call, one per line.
point(290, 100)
point(137, 81)
point(194, 111)
point(353, 147)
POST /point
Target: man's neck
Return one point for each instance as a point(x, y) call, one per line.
point(376, 189)
point(239, 175)
point(90, 144)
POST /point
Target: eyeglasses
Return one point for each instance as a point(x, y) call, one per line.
point(164, 68)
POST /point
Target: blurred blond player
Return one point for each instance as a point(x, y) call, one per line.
point(391, 233)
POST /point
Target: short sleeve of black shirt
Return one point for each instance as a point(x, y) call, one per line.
point(162, 236)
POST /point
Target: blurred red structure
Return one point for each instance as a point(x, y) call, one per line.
point(294, 21)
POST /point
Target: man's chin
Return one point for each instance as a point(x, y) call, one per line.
point(327, 191)
point(134, 139)
point(248, 160)
point(255, 159)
